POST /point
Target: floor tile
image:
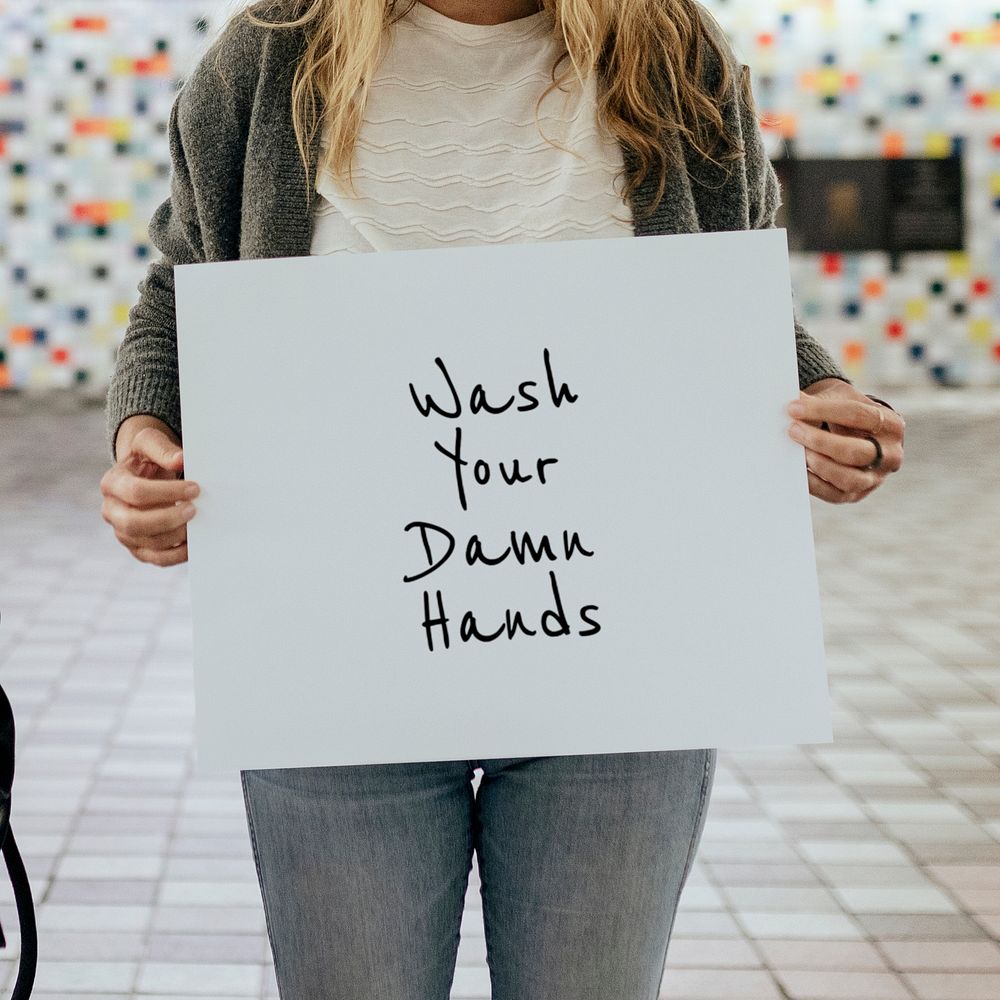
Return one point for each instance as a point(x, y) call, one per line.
point(830, 985)
point(859, 956)
point(954, 986)
point(201, 978)
point(937, 956)
point(860, 870)
point(808, 926)
point(711, 984)
point(89, 977)
point(895, 899)
point(711, 953)
point(921, 926)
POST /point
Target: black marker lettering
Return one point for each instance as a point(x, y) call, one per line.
point(563, 393)
point(542, 462)
point(424, 526)
point(456, 457)
point(526, 548)
point(515, 475)
point(559, 615)
point(571, 545)
point(596, 627)
point(515, 623)
point(470, 630)
point(441, 621)
point(530, 397)
point(479, 402)
point(429, 401)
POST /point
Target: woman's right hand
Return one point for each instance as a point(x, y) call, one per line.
point(145, 500)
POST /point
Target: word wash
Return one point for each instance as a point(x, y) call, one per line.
point(468, 472)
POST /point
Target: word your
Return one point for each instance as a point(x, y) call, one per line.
point(482, 471)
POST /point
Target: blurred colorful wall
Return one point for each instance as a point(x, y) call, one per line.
point(863, 78)
point(86, 87)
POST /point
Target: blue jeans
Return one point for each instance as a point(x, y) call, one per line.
point(363, 872)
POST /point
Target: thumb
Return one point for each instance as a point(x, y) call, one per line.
point(153, 445)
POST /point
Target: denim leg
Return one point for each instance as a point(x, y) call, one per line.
point(363, 872)
point(582, 860)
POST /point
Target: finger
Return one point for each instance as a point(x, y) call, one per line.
point(824, 491)
point(846, 478)
point(137, 491)
point(167, 540)
point(841, 448)
point(847, 431)
point(152, 444)
point(802, 414)
point(170, 557)
point(867, 417)
point(892, 458)
point(137, 523)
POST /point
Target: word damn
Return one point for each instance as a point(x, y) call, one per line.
point(522, 548)
point(554, 622)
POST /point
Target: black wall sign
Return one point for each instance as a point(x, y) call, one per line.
point(895, 206)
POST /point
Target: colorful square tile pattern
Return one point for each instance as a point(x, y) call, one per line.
point(86, 89)
point(864, 78)
point(85, 92)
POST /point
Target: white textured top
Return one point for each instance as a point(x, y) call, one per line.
point(449, 152)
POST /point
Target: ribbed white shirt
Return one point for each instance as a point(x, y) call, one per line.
point(449, 152)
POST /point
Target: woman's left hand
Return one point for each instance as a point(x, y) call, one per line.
point(839, 459)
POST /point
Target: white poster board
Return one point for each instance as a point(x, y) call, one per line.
point(641, 444)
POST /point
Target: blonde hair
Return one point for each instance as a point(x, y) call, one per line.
point(654, 60)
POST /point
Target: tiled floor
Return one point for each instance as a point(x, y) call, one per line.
point(868, 869)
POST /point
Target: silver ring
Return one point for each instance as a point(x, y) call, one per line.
point(877, 460)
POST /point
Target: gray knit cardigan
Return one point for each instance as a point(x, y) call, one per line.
point(238, 190)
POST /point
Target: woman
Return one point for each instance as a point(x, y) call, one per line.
point(324, 126)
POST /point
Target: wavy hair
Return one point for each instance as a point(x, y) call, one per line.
point(661, 72)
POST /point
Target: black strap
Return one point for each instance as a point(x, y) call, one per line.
point(26, 917)
point(6, 759)
point(15, 864)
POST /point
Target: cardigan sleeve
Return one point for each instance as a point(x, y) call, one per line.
point(764, 198)
point(199, 221)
